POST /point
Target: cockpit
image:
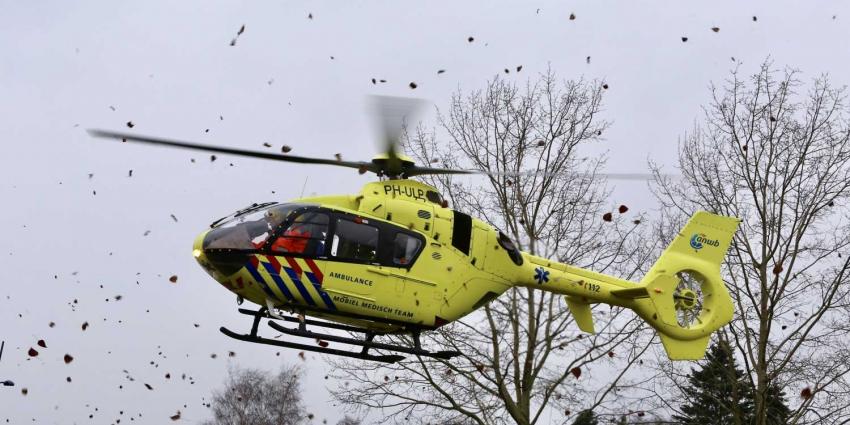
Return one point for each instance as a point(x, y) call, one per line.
point(309, 231)
point(260, 228)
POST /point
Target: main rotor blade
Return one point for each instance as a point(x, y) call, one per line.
point(362, 166)
point(609, 176)
point(420, 171)
point(390, 113)
point(636, 176)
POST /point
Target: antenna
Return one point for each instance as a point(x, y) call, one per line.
point(305, 186)
point(2, 344)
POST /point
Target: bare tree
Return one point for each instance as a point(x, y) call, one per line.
point(256, 397)
point(779, 159)
point(523, 359)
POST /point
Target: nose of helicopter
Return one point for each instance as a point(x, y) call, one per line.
point(198, 253)
point(198, 246)
point(219, 263)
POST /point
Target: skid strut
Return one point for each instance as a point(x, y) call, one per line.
point(301, 331)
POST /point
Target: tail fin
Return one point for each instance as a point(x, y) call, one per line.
point(683, 295)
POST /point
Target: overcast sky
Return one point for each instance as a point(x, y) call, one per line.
point(169, 68)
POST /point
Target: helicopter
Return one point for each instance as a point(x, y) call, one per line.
point(395, 259)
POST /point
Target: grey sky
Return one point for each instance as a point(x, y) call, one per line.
point(169, 68)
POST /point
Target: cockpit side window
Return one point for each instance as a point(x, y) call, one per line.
point(510, 248)
point(405, 249)
point(356, 241)
point(306, 235)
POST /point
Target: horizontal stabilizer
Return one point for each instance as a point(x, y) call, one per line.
point(631, 293)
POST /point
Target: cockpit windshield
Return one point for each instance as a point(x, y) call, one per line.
point(248, 228)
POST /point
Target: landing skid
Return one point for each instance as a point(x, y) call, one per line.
point(301, 331)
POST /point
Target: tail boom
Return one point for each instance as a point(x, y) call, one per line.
point(682, 296)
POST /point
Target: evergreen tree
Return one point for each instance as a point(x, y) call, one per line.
point(586, 417)
point(777, 411)
point(718, 392)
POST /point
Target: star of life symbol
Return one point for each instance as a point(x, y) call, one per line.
point(541, 275)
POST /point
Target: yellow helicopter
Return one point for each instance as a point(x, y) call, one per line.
point(395, 259)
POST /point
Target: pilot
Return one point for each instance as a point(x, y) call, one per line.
point(293, 240)
point(400, 253)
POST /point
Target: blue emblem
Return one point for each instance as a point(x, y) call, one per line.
point(696, 241)
point(541, 275)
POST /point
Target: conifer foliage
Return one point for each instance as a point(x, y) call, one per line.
point(720, 393)
point(586, 417)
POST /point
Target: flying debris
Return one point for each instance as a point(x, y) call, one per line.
point(238, 33)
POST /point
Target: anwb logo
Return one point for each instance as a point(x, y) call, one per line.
point(698, 239)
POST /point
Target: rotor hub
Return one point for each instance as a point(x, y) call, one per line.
point(688, 299)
